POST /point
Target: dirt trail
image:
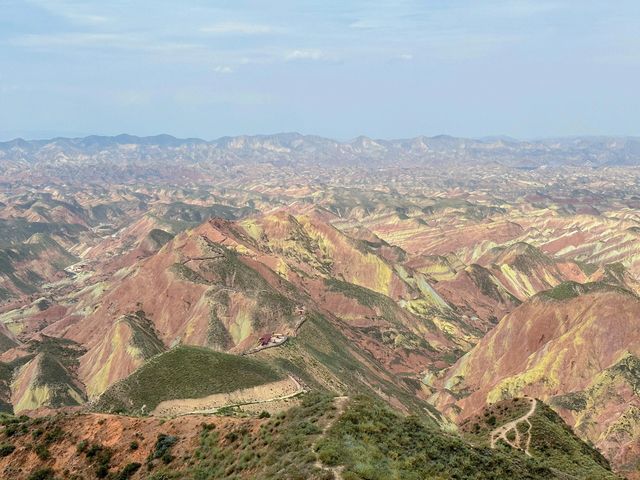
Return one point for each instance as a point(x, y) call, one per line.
point(340, 403)
point(270, 392)
point(501, 432)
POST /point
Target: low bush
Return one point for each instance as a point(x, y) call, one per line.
point(127, 472)
point(6, 449)
point(42, 474)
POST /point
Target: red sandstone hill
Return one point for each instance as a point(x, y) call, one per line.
point(576, 346)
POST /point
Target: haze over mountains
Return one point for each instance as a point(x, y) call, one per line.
point(293, 148)
point(481, 297)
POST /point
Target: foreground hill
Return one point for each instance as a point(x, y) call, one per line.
point(323, 438)
point(575, 346)
point(530, 426)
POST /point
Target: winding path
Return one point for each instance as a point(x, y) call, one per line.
point(340, 403)
point(502, 432)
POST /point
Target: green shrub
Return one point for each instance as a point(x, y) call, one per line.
point(128, 471)
point(82, 446)
point(42, 451)
point(53, 435)
point(102, 471)
point(231, 437)
point(6, 449)
point(100, 457)
point(42, 474)
point(163, 446)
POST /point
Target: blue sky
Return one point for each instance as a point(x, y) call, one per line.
point(525, 68)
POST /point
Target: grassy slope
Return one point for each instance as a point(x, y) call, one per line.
point(325, 359)
point(369, 440)
point(478, 428)
point(569, 289)
point(553, 443)
point(373, 443)
point(184, 372)
point(280, 449)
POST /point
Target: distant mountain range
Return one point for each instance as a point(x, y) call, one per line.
point(294, 148)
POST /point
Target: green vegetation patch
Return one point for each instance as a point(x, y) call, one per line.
point(6, 343)
point(184, 372)
point(485, 282)
point(575, 401)
point(57, 362)
point(280, 449)
point(144, 336)
point(477, 429)
point(587, 268)
point(324, 359)
point(185, 273)
point(6, 449)
point(628, 368)
point(363, 295)
point(160, 237)
point(374, 443)
point(568, 290)
point(218, 337)
point(554, 442)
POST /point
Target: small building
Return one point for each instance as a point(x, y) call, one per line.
point(265, 339)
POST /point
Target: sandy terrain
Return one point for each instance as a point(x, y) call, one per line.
point(274, 391)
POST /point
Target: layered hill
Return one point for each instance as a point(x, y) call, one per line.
point(353, 317)
point(354, 267)
point(236, 284)
point(567, 346)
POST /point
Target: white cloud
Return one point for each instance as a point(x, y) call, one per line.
point(122, 41)
point(406, 56)
point(365, 24)
point(68, 40)
point(304, 55)
point(223, 69)
point(234, 28)
point(73, 11)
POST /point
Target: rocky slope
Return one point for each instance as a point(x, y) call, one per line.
point(567, 345)
point(322, 438)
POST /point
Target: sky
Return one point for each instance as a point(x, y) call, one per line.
point(385, 69)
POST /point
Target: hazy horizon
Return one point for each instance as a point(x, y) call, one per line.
point(519, 68)
point(54, 136)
